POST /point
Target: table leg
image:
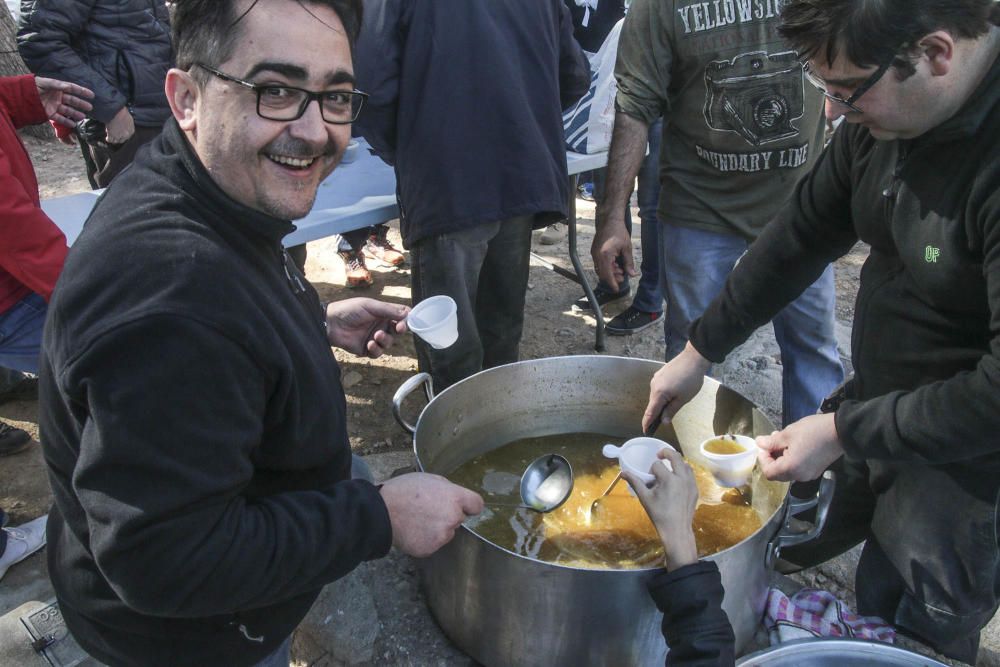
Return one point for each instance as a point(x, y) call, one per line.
point(581, 275)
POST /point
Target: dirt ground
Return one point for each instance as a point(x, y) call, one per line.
point(551, 329)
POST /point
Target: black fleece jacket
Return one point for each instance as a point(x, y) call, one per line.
point(926, 339)
point(193, 422)
point(694, 626)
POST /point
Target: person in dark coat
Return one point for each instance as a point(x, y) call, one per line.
point(121, 50)
point(466, 103)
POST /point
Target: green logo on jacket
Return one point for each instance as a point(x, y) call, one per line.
point(931, 254)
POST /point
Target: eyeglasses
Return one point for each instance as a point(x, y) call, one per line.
point(820, 84)
point(337, 107)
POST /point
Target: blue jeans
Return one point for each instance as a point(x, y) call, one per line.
point(648, 296)
point(695, 266)
point(21, 334)
point(280, 658)
point(485, 270)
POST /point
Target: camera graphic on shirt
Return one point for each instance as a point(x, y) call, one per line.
point(755, 95)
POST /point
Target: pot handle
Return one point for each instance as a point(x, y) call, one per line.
point(796, 506)
point(404, 391)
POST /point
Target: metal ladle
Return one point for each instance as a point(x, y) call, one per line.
point(545, 484)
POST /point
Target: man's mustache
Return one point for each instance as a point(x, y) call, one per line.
point(297, 148)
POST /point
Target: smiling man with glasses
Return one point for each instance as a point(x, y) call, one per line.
point(193, 416)
point(338, 107)
point(914, 171)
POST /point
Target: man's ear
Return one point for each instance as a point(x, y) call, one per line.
point(182, 95)
point(939, 49)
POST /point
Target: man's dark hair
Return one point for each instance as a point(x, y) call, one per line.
point(871, 32)
point(206, 31)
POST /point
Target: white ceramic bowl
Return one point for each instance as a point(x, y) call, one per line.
point(730, 470)
point(637, 456)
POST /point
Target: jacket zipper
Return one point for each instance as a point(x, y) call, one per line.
point(293, 279)
point(890, 193)
point(297, 287)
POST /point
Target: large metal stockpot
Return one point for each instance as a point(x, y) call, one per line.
point(504, 609)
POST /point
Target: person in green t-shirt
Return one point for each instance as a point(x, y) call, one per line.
point(740, 128)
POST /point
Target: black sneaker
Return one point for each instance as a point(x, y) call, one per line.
point(25, 390)
point(630, 321)
point(603, 297)
point(12, 440)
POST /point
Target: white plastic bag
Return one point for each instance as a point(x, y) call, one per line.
point(589, 123)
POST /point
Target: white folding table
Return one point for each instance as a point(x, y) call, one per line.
point(357, 195)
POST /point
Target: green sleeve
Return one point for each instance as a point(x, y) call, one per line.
point(645, 57)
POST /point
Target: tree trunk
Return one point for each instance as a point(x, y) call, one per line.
point(12, 65)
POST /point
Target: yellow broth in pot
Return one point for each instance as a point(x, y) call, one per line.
point(619, 535)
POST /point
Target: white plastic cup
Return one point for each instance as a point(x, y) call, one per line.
point(435, 320)
point(637, 456)
point(731, 470)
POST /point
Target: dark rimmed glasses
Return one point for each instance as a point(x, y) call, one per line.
point(337, 107)
point(865, 86)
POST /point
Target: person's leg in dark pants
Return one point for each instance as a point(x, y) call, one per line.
point(354, 239)
point(882, 592)
point(454, 264)
point(503, 283)
point(935, 531)
point(450, 264)
point(104, 162)
point(848, 521)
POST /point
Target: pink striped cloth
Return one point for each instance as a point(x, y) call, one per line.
point(816, 613)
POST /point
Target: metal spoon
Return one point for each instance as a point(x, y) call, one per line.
point(650, 430)
point(545, 484)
